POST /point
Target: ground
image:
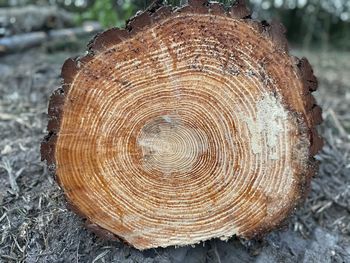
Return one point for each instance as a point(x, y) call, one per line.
point(35, 225)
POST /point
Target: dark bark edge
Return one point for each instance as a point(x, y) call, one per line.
point(156, 12)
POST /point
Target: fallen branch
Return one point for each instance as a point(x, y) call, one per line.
point(23, 41)
point(17, 20)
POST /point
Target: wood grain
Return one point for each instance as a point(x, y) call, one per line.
point(189, 124)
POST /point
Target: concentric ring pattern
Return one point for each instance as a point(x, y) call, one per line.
point(185, 132)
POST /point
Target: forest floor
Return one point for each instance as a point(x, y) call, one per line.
point(35, 225)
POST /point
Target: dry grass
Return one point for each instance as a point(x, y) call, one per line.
point(35, 226)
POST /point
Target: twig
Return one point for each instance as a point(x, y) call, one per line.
point(12, 178)
point(337, 123)
point(100, 256)
point(216, 253)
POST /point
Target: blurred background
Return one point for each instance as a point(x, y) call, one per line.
point(318, 23)
point(37, 36)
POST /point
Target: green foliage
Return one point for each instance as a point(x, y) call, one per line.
point(101, 10)
point(107, 12)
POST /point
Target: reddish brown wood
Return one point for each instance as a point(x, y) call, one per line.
point(277, 86)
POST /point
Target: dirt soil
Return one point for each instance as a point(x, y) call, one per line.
point(35, 225)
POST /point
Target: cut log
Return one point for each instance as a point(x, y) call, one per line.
point(24, 41)
point(24, 19)
point(190, 124)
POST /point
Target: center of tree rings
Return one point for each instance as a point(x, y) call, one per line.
point(169, 146)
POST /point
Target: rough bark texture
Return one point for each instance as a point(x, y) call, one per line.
point(189, 124)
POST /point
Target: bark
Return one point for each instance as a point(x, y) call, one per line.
point(189, 124)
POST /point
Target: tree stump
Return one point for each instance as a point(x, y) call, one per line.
point(189, 124)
